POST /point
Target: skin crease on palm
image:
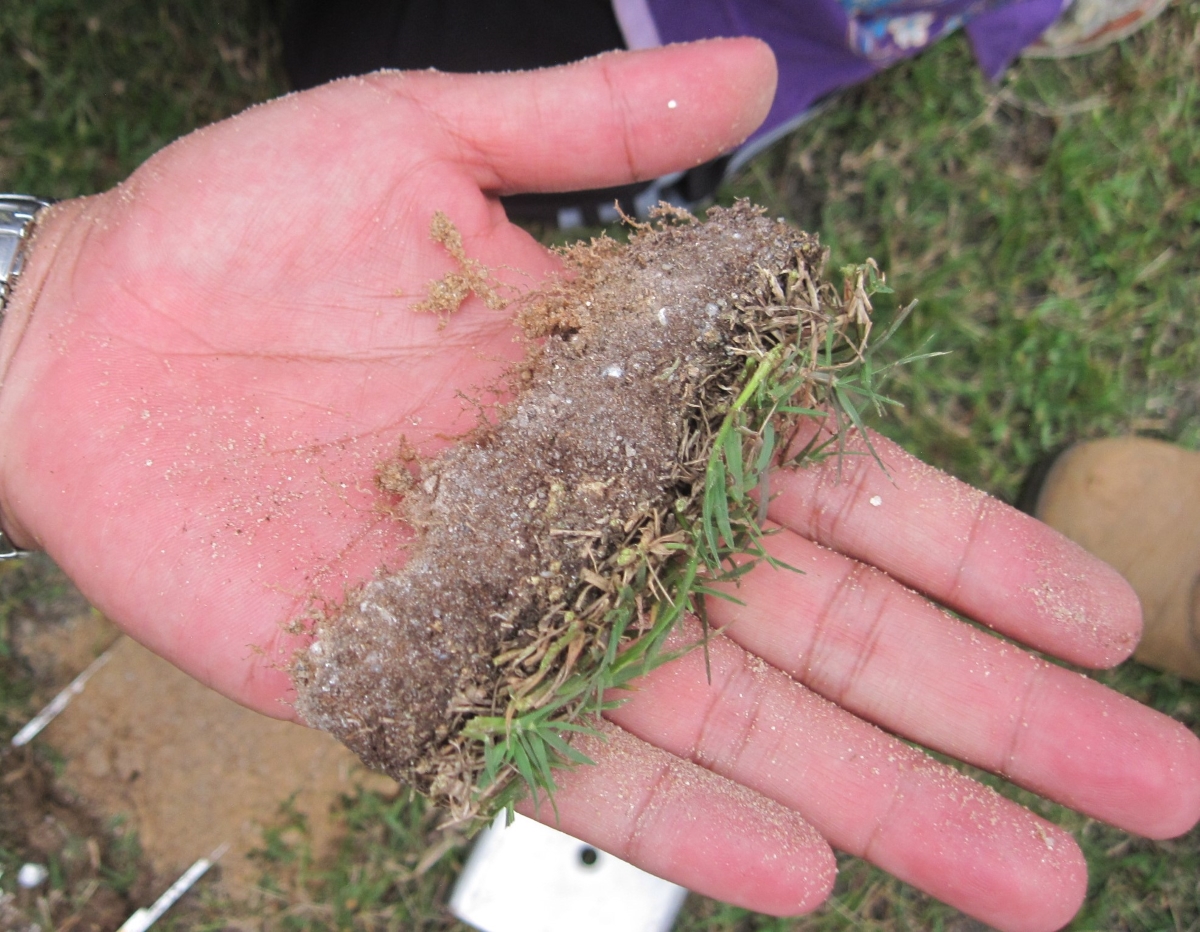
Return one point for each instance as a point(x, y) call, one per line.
point(203, 368)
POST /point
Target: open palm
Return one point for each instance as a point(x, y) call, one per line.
point(205, 367)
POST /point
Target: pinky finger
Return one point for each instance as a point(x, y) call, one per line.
point(675, 819)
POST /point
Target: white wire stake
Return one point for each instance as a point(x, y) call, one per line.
point(143, 918)
point(35, 725)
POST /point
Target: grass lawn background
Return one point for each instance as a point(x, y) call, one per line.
point(1048, 224)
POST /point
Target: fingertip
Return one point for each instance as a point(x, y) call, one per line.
point(750, 71)
point(1043, 893)
point(1064, 886)
point(753, 852)
point(1175, 791)
point(689, 825)
point(820, 880)
point(1044, 898)
point(1105, 597)
point(973, 849)
point(1030, 582)
point(686, 103)
point(1127, 623)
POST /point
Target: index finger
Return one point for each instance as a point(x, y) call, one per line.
point(964, 549)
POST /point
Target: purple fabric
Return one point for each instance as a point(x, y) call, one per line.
point(998, 35)
point(825, 45)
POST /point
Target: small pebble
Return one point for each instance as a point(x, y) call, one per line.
point(876, 500)
point(32, 875)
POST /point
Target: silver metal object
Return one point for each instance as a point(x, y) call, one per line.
point(35, 725)
point(527, 877)
point(142, 919)
point(17, 215)
point(9, 550)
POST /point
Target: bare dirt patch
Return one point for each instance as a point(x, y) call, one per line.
point(189, 770)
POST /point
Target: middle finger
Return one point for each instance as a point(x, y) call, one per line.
point(859, 638)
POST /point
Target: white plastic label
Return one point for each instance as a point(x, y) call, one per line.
point(531, 878)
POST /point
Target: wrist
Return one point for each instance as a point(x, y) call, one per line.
point(45, 249)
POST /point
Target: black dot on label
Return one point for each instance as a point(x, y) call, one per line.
point(588, 856)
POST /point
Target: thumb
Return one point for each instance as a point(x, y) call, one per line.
point(608, 120)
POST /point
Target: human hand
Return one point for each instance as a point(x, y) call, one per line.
point(223, 348)
point(203, 368)
point(821, 680)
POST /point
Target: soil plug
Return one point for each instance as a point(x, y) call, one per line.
point(560, 545)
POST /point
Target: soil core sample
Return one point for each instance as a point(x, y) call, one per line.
point(551, 541)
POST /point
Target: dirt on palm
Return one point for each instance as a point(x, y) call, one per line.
point(515, 518)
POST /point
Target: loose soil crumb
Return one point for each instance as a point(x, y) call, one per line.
point(447, 294)
point(518, 522)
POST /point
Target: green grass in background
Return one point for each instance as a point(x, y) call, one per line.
point(89, 90)
point(1049, 225)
